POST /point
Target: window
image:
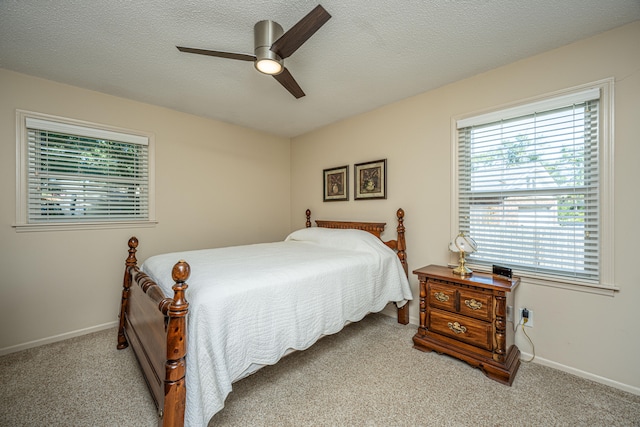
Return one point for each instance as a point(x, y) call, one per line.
point(533, 187)
point(78, 174)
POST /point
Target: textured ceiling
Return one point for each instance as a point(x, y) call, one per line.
point(370, 53)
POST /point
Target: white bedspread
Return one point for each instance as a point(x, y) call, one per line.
point(248, 305)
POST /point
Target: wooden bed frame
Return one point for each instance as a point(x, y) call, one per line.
point(156, 326)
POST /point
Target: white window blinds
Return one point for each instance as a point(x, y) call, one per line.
point(528, 187)
point(82, 174)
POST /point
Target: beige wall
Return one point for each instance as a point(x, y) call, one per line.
point(216, 185)
point(61, 283)
point(590, 335)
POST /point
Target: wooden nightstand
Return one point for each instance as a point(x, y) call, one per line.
point(466, 317)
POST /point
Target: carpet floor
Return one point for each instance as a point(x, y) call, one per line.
point(366, 375)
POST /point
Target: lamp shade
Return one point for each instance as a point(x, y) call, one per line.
point(464, 244)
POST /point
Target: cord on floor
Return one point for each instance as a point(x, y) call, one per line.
point(533, 348)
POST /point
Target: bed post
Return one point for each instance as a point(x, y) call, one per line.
point(402, 244)
point(176, 365)
point(126, 286)
point(403, 312)
point(308, 223)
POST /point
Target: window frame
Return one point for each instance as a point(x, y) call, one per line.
point(22, 223)
point(606, 284)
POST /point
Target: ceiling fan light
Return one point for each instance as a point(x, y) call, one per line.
point(269, 66)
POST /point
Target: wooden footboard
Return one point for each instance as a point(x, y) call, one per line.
point(155, 326)
point(156, 329)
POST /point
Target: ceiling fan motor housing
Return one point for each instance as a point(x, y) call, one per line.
point(265, 33)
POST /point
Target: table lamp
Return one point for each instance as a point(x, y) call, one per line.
point(463, 245)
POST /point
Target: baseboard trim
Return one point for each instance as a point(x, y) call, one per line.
point(56, 338)
point(582, 374)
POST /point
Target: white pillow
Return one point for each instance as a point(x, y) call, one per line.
point(337, 238)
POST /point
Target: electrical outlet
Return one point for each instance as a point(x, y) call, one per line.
point(510, 313)
point(530, 319)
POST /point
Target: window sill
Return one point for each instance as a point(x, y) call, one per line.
point(602, 289)
point(24, 228)
point(598, 289)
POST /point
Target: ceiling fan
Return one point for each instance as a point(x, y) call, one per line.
point(273, 45)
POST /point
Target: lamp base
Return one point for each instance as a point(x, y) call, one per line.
point(462, 269)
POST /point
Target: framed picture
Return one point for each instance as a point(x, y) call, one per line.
point(371, 180)
point(336, 184)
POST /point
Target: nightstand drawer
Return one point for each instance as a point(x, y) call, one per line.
point(443, 297)
point(462, 328)
point(476, 304)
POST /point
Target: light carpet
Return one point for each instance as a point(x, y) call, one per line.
point(366, 375)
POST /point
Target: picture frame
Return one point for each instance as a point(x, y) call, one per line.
point(370, 180)
point(336, 184)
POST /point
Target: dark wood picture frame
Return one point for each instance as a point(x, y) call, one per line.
point(336, 184)
point(370, 180)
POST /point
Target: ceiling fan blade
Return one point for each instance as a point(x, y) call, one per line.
point(290, 41)
point(286, 79)
point(229, 55)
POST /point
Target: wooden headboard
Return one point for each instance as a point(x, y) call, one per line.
point(375, 228)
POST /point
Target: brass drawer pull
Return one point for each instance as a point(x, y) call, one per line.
point(473, 304)
point(457, 327)
point(441, 297)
